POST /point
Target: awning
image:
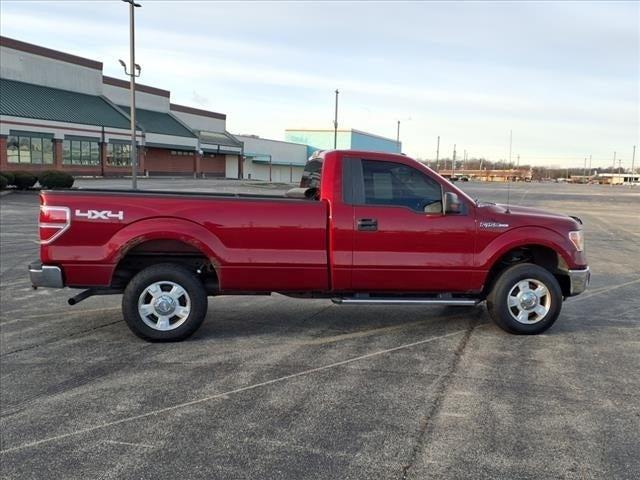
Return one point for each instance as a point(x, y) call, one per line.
point(276, 163)
point(220, 149)
point(168, 146)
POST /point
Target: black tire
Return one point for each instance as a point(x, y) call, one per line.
point(507, 284)
point(194, 301)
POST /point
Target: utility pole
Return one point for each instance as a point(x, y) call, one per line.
point(614, 163)
point(590, 172)
point(510, 145)
point(134, 67)
point(633, 164)
point(398, 134)
point(584, 172)
point(438, 154)
point(453, 163)
point(335, 123)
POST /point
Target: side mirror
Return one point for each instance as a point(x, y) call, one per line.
point(451, 203)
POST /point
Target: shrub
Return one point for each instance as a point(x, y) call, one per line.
point(3, 182)
point(24, 180)
point(55, 179)
point(9, 176)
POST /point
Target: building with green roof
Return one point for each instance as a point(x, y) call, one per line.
point(19, 99)
point(58, 110)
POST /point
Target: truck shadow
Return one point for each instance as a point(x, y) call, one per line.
point(332, 321)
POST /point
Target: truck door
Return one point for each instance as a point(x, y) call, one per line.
point(402, 239)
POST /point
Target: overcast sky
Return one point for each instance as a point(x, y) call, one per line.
point(564, 76)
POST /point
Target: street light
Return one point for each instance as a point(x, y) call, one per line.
point(132, 75)
point(398, 132)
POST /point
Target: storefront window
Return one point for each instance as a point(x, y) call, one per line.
point(80, 152)
point(76, 153)
point(36, 150)
point(25, 149)
point(47, 151)
point(119, 155)
point(95, 153)
point(66, 152)
point(29, 148)
point(13, 154)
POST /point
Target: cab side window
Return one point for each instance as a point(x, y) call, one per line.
point(395, 184)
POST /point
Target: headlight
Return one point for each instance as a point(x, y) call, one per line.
point(577, 238)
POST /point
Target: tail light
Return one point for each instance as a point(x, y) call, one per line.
point(54, 221)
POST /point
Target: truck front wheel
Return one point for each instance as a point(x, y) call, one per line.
point(164, 302)
point(525, 299)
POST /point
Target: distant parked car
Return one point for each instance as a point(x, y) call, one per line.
point(462, 178)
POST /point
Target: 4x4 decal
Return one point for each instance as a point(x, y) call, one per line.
point(100, 214)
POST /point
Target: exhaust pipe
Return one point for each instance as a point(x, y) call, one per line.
point(81, 296)
point(90, 292)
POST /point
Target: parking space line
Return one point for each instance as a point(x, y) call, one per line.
point(366, 333)
point(618, 226)
point(229, 392)
point(129, 444)
point(13, 284)
point(602, 290)
point(362, 333)
point(58, 314)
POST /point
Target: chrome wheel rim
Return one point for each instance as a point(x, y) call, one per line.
point(529, 301)
point(164, 306)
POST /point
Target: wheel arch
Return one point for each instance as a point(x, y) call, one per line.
point(546, 251)
point(159, 240)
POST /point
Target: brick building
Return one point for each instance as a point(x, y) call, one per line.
point(59, 111)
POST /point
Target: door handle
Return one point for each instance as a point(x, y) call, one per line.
point(367, 224)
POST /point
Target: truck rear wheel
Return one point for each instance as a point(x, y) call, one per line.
point(526, 299)
point(164, 302)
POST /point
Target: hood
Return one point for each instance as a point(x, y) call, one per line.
point(521, 216)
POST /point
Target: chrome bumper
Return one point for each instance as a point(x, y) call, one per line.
point(45, 276)
point(579, 280)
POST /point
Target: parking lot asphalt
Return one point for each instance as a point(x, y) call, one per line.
point(273, 387)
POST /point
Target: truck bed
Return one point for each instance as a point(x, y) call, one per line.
point(247, 237)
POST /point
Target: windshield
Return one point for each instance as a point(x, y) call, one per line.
point(449, 185)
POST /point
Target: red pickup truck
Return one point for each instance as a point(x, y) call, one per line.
point(362, 228)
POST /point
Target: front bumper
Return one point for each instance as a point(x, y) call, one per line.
point(579, 281)
point(45, 276)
